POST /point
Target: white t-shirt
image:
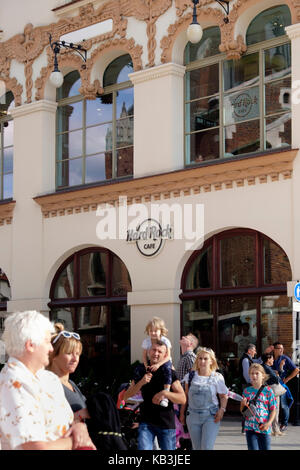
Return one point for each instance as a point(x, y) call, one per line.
point(216, 381)
point(33, 407)
point(146, 344)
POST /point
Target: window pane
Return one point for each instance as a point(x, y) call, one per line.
point(242, 138)
point(120, 340)
point(203, 146)
point(268, 25)
point(237, 261)
point(241, 106)
point(242, 72)
point(69, 145)
point(8, 160)
point(124, 132)
point(278, 61)
point(8, 186)
point(6, 103)
point(198, 319)
point(118, 70)
point(236, 325)
point(277, 268)
point(277, 322)
point(71, 85)
point(125, 162)
point(121, 283)
point(98, 139)
point(8, 133)
point(94, 316)
point(278, 131)
point(66, 316)
point(125, 103)
point(202, 114)
point(199, 275)
point(208, 46)
point(98, 111)
point(69, 117)
point(93, 269)
point(278, 96)
point(69, 172)
point(98, 167)
point(64, 287)
point(202, 82)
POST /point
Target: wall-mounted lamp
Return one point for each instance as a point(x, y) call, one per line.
point(194, 31)
point(56, 77)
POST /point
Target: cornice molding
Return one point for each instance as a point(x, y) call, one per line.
point(6, 212)
point(38, 106)
point(248, 171)
point(157, 72)
point(293, 31)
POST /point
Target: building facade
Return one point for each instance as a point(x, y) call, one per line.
point(162, 177)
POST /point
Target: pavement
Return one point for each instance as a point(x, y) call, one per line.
point(230, 437)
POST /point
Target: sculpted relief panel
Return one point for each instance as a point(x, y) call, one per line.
point(25, 48)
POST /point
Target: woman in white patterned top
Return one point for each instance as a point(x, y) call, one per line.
point(34, 414)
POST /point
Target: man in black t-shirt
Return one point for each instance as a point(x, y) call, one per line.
point(156, 421)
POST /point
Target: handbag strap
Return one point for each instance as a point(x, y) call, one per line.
point(257, 394)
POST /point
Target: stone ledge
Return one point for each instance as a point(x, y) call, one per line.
point(262, 169)
point(6, 212)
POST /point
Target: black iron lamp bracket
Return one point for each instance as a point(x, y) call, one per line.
point(57, 45)
point(225, 5)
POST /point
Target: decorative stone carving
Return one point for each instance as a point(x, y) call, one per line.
point(261, 169)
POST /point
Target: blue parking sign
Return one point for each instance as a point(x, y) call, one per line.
point(297, 291)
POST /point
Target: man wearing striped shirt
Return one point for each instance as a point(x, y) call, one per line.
point(187, 344)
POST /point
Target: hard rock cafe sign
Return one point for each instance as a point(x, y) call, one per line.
point(149, 237)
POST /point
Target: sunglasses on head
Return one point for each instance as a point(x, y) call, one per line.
point(66, 334)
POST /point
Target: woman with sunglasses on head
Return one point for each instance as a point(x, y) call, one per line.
point(206, 394)
point(64, 360)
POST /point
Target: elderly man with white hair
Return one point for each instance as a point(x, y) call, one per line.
point(34, 413)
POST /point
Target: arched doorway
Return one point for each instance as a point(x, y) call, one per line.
point(234, 293)
point(89, 295)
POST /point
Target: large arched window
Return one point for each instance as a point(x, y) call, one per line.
point(95, 137)
point(89, 295)
point(234, 293)
point(238, 107)
point(6, 146)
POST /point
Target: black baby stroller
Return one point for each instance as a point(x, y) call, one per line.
point(104, 426)
point(129, 413)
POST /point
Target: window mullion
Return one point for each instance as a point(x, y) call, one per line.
point(221, 113)
point(83, 140)
point(262, 99)
point(114, 136)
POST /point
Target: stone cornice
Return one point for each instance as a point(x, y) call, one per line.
point(293, 31)
point(247, 171)
point(6, 212)
point(43, 105)
point(157, 72)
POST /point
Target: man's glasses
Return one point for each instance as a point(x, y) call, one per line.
point(66, 334)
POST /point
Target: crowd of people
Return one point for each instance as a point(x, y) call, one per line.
point(41, 408)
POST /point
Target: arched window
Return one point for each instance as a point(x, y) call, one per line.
point(239, 107)
point(89, 295)
point(234, 293)
point(6, 146)
point(90, 148)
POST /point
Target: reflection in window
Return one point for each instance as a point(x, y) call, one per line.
point(95, 137)
point(6, 146)
point(64, 286)
point(269, 24)
point(93, 268)
point(207, 47)
point(199, 275)
point(237, 261)
point(276, 263)
point(277, 322)
point(238, 107)
point(198, 318)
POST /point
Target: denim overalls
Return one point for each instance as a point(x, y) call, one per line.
point(200, 415)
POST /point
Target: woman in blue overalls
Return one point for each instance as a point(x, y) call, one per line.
point(206, 400)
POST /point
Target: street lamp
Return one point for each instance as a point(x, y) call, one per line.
point(56, 77)
point(194, 31)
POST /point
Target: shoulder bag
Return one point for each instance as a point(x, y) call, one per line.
point(251, 410)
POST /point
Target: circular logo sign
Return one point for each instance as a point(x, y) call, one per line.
point(149, 237)
point(297, 291)
point(242, 104)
